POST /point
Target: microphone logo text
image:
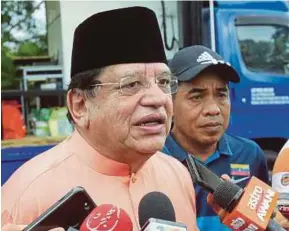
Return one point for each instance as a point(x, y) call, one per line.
point(104, 220)
point(237, 223)
point(240, 224)
point(260, 201)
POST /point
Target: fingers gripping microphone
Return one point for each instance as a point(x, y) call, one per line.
point(156, 212)
point(248, 210)
point(107, 218)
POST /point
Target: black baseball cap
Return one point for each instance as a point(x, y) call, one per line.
point(191, 61)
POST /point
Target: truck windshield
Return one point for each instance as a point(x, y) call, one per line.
point(265, 48)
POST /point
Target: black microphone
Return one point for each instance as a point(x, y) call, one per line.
point(156, 212)
point(249, 209)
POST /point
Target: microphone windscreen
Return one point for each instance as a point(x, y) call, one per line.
point(155, 205)
point(226, 193)
point(107, 217)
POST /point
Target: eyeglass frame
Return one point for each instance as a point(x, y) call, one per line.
point(147, 85)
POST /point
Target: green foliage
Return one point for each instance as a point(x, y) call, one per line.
point(29, 49)
point(270, 54)
point(8, 70)
point(17, 16)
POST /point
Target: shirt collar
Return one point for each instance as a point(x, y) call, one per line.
point(178, 152)
point(93, 159)
point(224, 146)
point(175, 149)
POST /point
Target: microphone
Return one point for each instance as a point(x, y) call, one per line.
point(247, 210)
point(283, 207)
point(156, 212)
point(280, 182)
point(107, 217)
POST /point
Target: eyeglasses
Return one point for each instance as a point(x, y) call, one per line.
point(131, 85)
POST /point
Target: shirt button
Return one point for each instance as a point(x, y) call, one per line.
point(133, 178)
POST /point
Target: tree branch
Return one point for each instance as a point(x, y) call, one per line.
point(27, 16)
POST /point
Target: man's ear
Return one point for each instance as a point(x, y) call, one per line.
point(75, 100)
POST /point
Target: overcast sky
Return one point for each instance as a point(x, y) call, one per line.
point(40, 17)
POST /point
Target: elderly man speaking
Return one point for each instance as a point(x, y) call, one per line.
point(120, 102)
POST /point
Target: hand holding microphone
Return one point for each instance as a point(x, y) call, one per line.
point(251, 208)
point(243, 210)
point(222, 213)
point(210, 200)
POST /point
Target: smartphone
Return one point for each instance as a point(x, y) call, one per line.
point(69, 211)
point(202, 175)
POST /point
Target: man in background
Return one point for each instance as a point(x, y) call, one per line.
point(201, 117)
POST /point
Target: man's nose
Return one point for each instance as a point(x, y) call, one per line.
point(211, 108)
point(154, 97)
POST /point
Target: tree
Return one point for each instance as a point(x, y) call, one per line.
point(280, 54)
point(8, 70)
point(30, 49)
point(17, 18)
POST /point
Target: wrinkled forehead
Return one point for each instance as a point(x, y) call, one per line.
point(208, 80)
point(116, 72)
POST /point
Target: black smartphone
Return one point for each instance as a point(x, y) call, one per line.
point(202, 175)
point(69, 211)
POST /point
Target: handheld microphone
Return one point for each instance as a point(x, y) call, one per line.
point(251, 208)
point(283, 207)
point(280, 182)
point(107, 218)
point(156, 212)
point(247, 210)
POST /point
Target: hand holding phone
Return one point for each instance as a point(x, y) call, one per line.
point(69, 211)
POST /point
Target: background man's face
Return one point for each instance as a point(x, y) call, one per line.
point(140, 121)
point(202, 108)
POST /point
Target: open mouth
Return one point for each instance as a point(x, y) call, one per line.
point(151, 120)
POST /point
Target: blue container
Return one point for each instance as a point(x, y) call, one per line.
point(13, 157)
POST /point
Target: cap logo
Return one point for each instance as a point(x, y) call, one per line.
point(285, 179)
point(206, 58)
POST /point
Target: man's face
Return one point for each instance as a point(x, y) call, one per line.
point(202, 109)
point(123, 122)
